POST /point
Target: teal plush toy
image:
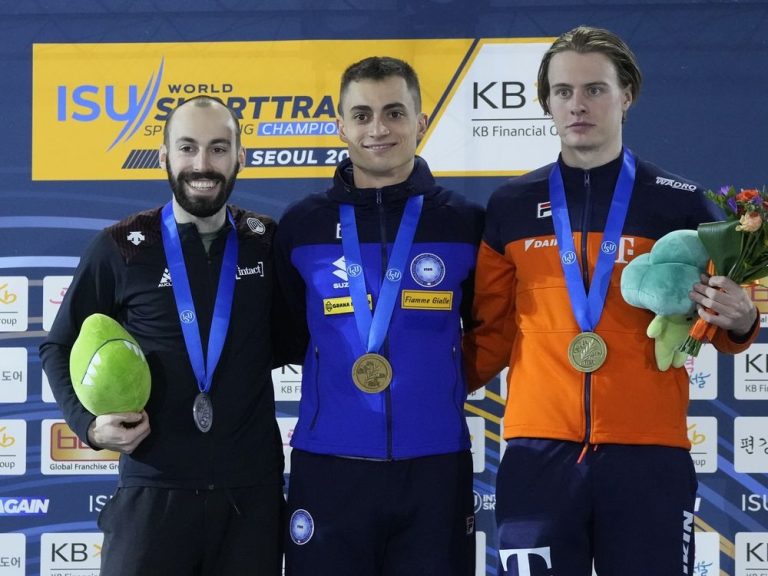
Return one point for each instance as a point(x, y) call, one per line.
point(659, 281)
point(108, 369)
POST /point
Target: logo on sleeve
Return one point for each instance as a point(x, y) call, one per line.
point(135, 237)
point(256, 225)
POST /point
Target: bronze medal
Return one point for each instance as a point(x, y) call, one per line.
point(587, 352)
point(202, 412)
point(372, 373)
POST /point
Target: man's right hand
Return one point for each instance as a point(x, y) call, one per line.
point(119, 432)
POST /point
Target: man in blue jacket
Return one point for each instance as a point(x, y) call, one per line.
point(378, 271)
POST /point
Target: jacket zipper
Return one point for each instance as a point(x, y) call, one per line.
point(456, 378)
point(585, 278)
point(211, 282)
point(385, 345)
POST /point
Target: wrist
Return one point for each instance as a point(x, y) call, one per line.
point(92, 443)
point(742, 335)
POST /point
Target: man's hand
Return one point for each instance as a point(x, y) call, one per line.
point(119, 432)
point(723, 303)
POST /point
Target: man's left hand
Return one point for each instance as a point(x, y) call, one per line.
point(723, 303)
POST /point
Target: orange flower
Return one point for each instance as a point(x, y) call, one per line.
point(749, 222)
point(746, 195)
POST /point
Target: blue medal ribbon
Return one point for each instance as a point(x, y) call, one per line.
point(203, 368)
point(373, 327)
point(588, 309)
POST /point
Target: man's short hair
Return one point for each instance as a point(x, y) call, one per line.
point(202, 102)
point(380, 68)
point(586, 39)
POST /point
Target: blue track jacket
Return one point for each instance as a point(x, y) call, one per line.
point(422, 412)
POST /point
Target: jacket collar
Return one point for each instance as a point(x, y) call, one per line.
point(600, 177)
point(420, 181)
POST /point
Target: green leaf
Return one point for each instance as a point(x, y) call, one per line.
point(723, 243)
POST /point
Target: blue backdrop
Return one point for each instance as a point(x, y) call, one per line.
point(701, 113)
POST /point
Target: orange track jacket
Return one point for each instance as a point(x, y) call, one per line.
point(524, 319)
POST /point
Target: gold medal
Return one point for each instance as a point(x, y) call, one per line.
point(372, 373)
point(587, 352)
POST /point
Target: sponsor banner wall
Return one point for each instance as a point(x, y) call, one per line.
point(113, 99)
point(89, 86)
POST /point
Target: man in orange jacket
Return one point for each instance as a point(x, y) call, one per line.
point(597, 468)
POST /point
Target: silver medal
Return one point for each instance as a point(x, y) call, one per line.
point(202, 412)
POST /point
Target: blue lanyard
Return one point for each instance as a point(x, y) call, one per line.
point(186, 307)
point(588, 310)
point(373, 327)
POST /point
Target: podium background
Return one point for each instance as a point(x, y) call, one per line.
point(701, 113)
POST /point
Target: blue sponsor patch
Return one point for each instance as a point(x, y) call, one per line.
point(427, 270)
point(302, 527)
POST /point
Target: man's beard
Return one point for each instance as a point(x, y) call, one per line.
point(201, 207)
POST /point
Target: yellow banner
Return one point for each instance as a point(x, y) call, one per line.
point(66, 446)
point(426, 300)
point(99, 109)
point(341, 305)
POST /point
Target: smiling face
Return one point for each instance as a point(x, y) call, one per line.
point(588, 106)
point(382, 127)
point(202, 159)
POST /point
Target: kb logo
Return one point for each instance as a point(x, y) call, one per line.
point(69, 552)
point(497, 95)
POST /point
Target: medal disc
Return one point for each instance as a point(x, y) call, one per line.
point(372, 373)
point(202, 412)
point(587, 352)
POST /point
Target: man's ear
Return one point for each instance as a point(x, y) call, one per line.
point(626, 103)
point(626, 100)
point(423, 125)
point(240, 158)
point(340, 130)
point(163, 155)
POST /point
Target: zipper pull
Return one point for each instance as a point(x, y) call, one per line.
point(583, 453)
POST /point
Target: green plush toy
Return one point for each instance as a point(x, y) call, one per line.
point(669, 332)
point(108, 369)
point(659, 281)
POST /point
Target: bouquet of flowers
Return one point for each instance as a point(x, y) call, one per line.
point(737, 247)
